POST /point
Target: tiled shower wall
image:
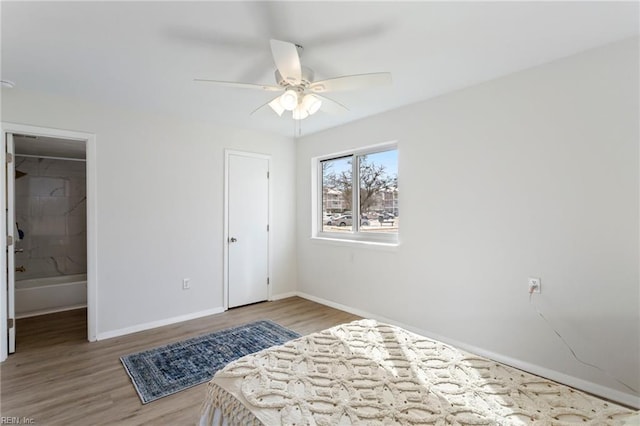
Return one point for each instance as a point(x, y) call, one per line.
point(51, 211)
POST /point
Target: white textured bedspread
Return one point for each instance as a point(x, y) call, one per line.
point(369, 373)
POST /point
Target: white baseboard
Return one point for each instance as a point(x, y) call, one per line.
point(154, 324)
point(283, 295)
point(590, 387)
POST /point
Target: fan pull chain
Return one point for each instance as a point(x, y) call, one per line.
point(294, 127)
point(297, 128)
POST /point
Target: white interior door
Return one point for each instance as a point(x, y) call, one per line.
point(248, 229)
point(11, 241)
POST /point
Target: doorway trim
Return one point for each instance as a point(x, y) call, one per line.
point(225, 236)
point(92, 222)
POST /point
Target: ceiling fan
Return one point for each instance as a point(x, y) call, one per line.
point(300, 93)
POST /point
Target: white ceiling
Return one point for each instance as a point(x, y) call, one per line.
point(146, 54)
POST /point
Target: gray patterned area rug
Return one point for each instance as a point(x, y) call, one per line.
point(163, 371)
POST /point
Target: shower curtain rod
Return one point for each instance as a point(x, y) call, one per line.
point(50, 157)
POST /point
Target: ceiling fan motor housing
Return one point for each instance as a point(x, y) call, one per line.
point(306, 79)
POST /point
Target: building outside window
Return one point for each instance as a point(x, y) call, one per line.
point(374, 174)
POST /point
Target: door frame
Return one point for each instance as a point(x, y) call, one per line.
point(92, 222)
point(225, 236)
point(9, 175)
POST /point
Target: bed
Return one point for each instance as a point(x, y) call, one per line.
point(365, 372)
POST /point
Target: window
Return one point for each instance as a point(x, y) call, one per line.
point(374, 174)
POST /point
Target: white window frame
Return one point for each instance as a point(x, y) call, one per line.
point(355, 235)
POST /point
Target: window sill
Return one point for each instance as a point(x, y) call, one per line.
point(375, 245)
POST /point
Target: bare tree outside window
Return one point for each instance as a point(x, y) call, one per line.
point(377, 197)
point(378, 175)
point(337, 194)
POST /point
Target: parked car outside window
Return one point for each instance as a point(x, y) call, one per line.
point(346, 220)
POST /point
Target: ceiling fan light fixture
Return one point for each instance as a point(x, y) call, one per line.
point(289, 100)
point(300, 113)
point(276, 106)
point(311, 104)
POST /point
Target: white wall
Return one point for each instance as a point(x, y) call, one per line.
point(534, 174)
point(160, 206)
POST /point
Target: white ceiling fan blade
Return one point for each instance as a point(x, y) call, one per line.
point(351, 82)
point(285, 56)
point(274, 104)
point(331, 106)
point(241, 85)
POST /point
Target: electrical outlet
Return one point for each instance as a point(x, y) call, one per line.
point(186, 283)
point(534, 285)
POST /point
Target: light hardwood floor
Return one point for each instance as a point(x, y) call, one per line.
point(56, 377)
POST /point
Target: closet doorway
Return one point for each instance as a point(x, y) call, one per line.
point(246, 253)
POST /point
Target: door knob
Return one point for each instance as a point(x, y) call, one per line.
point(233, 240)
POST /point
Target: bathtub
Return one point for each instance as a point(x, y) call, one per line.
point(38, 296)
